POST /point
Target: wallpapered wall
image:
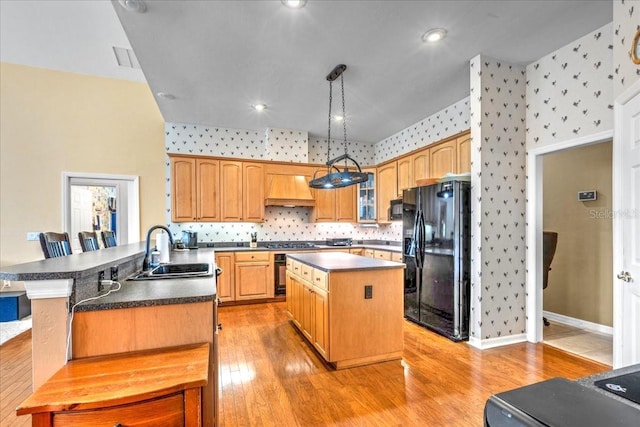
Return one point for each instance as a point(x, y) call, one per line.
point(497, 98)
point(569, 92)
point(362, 152)
point(626, 21)
point(280, 223)
point(444, 123)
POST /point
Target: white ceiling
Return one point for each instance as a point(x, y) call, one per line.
point(220, 57)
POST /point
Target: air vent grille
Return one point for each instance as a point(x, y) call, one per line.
point(125, 57)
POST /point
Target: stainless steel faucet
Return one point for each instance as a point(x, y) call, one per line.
point(145, 263)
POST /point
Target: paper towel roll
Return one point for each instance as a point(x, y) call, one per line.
point(162, 243)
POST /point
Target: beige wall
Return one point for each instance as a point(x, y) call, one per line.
point(580, 281)
point(52, 122)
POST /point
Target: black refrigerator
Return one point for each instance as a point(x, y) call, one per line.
point(436, 238)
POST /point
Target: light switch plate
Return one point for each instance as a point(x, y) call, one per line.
point(587, 196)
point(33, 236)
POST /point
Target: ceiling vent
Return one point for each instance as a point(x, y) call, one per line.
point(125, 57)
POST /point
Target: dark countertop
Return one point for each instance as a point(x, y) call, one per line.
point(390, 248)
point(72, 266)
point(340, 261)
point(145, 293)
point(590, 380)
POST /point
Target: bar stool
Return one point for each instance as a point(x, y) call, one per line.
point(55, 244)
point(88, 241)
point(109, 239)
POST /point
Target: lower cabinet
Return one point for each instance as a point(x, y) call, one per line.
point(225, 282)
point(253, 276)
point(308, 308)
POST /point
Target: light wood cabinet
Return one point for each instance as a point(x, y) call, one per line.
point(387, 189)
point(253, 276)
point(320, 336)
point(225, 282)
point(385, 255)
point(421, 165)
point(396, 256)
point(230, 190)
point(369, 253)
point(464, 153)
point(194, 189)
point(357, 251)
point(405, 174)
point(335, 205)
point(252, 192)
point(443, 159)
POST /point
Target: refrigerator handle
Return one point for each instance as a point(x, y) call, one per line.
point(420, 239)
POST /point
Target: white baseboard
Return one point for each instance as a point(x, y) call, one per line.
point(578, 323)
point(496, 342)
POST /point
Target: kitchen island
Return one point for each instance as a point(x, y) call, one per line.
point(348, 307)
point(141, 315)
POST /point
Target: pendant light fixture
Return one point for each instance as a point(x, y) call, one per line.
point(335, 178)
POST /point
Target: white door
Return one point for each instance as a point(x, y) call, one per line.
point(626, 221)
point(81, 214)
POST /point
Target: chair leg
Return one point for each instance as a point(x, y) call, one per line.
point(545, 321)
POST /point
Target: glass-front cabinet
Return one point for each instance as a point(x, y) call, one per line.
point(367, 198)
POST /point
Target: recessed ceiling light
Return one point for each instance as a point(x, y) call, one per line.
point(166, 95)
point(260, 107)
point(434, 35)
point(294, 4)
point(137, 6)
point(338, 118)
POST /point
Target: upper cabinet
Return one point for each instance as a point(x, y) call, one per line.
point(405, 174)
point(367, 198)
point(420, 162)
point(443, 159)
point(212, 190)
point(335, 205)
point(464, 153)
point(387, 189)
point(195, 187)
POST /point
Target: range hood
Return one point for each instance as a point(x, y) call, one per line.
point(289, 190)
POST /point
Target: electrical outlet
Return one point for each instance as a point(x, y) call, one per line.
point(33, 236)
point(368, 291)
point(100, 279)
point(6, 284)
point(114, 273)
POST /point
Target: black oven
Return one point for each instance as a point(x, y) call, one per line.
point(280, 268)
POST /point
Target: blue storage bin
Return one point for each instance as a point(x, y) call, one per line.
point(14, 306)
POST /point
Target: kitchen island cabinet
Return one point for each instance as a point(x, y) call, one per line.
point(349, 307)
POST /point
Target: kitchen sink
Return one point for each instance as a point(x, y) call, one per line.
point(175, 271)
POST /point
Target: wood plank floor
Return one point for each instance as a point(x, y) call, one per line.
point(271, 377)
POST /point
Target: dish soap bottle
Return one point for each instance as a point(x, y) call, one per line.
point(155, 258)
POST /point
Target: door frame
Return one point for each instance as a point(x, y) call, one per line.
point(535, 225)
point(618, 261)
point(131, 208)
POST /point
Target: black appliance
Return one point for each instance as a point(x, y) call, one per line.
point(280, 274)
point(436, 240)
point(557, 402)
point(339, 241)
point(395, 209)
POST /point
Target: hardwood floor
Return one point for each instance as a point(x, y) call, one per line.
point(270, 376)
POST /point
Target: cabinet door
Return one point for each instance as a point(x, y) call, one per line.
point(230, 191)
point(420, 162)
point(183, 189)
point(290, 297)
point(405, 174)
point(252, 281)
point(308, 308)
point(367, 198)
point(296, 300)
point(387, 190)
point(253, 192)
point(208, 184)
point(369, 253)
point(464, 153)
point(443, 159)
point(385, 255)
point(346, 204)
point(225, 282)
point(321, 322)
point(325, 208)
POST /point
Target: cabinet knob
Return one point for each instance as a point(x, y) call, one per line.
point(219, 326)
point(118, 425)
